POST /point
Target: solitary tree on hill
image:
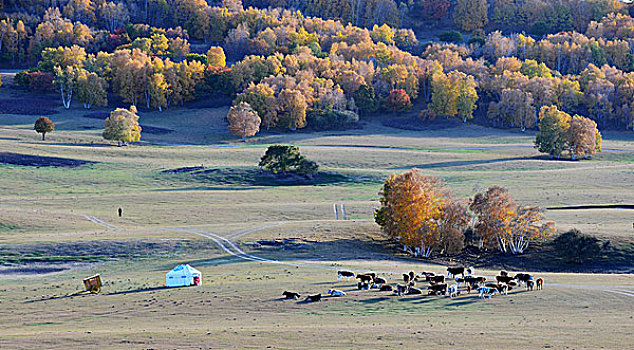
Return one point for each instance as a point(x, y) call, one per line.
point(44, 125)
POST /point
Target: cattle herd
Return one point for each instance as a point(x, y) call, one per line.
point(436, 284)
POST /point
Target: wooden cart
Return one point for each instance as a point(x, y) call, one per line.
point(92, 283)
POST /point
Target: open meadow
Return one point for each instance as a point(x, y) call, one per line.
point(252, 239)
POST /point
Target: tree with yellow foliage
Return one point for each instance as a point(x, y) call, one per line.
point(584, 139)
point(122, 126)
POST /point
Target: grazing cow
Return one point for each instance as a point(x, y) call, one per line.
point(474, 280)
point(386, 288)
point(413, 290)
point(363, 286)
point(437, 289)
point(364, 278)
point(400, 289)
point(437, 279)
point(530, 284)
point(486, 291)
point(336, 293)
point(452, 291)
point(504, 273)
point(313, 298)
point(504, 279)
point(346, 274)
point(291, 295)
point(523, 277)
point(540, 283)
point(453, 271)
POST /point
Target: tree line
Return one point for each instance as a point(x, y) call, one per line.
point(294, 71)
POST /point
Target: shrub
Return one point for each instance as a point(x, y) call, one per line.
point(427, 115)
point(576, 247)
point(320, 119)
point(398, 101)
point(477, 40)
point(452, 36)
point(539, 29)
point(41, 81)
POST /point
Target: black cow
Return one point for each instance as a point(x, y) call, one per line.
point(437, 289)
point(523, 278)
point(291, 295)
point(346, 274)
point(504, 279)
point(453, 271)
point(437, 279)
point(379, 280)
point(313, 298)
point(365, 278)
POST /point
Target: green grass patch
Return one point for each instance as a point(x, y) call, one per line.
point(23, 259)
point(36, 324)
point(7, 226)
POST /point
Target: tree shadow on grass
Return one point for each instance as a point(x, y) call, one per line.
point(250, 176)
point(468, 162)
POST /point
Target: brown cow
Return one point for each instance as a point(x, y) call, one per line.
point(540, 283)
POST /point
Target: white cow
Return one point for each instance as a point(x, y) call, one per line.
point(336, 293)
point(487, 292)
point(452, 291)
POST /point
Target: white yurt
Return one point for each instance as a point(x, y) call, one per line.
point(183, 276)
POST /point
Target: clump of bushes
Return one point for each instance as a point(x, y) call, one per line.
point(451, 36)
point(320, 119)
point(576, 247)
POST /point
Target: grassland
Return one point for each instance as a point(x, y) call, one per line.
point(67, 218)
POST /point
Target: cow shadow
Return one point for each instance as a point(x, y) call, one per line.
point(374, 300)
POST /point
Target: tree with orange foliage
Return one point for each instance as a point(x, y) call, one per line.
point(420, 213)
